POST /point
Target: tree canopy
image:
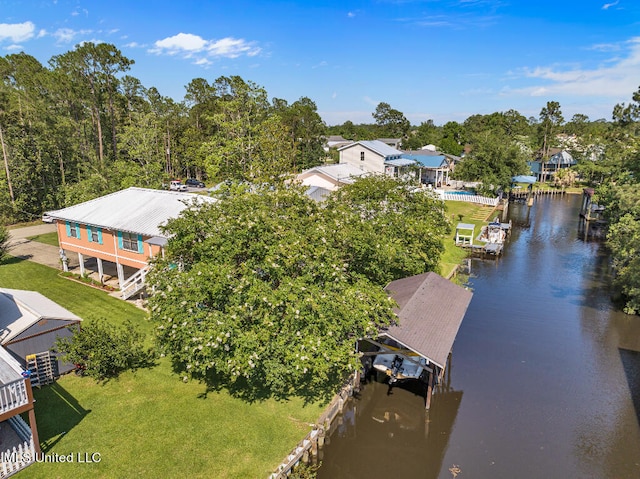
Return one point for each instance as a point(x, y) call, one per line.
point(266, 291)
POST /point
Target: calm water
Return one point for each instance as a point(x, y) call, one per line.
point(545, 376)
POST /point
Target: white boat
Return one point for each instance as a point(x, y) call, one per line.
point(399, 367)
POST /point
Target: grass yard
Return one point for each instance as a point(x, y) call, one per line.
point(46, 238)
point(149, 423)
point(461, 212)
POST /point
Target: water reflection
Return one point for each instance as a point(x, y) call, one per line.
point(387, 433)
point(549, 368)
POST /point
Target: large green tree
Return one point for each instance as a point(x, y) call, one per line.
point(265, 299)
point(393, 229)
point(391, 122)
point(493, 160)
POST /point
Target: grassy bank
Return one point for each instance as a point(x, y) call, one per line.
point(149, 423)
point(461, 212)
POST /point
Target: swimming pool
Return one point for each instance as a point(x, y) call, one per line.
point(470, 193)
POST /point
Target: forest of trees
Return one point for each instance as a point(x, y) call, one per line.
point(81, 127)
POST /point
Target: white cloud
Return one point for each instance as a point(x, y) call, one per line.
point(17, 32)
point(323, 63)
point(606, 6)
point(194, 46)
point(351, 14)
point(232, 48)
point(180, 43)
point(13, 48)
point(614, 78)
point(67, 35)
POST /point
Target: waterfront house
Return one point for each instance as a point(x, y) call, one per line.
point(543, 167)
point(120, 231)
point(372, 156)
point(433, 169)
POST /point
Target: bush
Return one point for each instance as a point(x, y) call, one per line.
point(103, 351)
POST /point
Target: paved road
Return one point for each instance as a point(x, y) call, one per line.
point(41, 253)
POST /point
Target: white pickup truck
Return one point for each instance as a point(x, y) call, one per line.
point(176, 185)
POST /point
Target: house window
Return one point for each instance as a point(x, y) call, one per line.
point(362, 156)
point(129, 241)
point(94, 234)
point(73, 230)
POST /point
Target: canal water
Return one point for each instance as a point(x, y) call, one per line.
point(544, 380)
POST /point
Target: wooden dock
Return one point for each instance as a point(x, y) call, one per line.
point(521, 196)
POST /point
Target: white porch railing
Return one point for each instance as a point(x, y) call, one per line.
point(18, 457)
point(482, 200)
point(133, 284)
point(13, 395)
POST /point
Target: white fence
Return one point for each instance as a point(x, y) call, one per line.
point(20, 456)
point(482, 200)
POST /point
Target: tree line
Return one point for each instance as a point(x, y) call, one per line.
point(81, 127)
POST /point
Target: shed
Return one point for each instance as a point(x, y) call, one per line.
point(31, 322)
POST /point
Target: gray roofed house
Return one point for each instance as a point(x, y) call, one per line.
point(370, 156)
point(136, 210)
point(30, 323)
point(117, 234)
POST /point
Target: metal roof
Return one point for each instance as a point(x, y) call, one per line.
point(562, 158)
point(428, 161)
point(430, 311)
point(343, 172)
point(10, 369)
point(20, 310)
point(318, 193)
point(377, 146)
point(400, 162)
point(135, 210)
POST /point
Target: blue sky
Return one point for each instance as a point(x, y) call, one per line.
point(431, 59)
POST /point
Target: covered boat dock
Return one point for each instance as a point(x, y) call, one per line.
point(430, 311)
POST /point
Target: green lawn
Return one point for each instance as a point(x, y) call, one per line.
point(150, 423)
point(46, 238)
point(461, 212)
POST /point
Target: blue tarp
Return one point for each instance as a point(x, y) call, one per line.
point(523, 179)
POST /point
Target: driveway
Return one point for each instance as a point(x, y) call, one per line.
point(21, 247)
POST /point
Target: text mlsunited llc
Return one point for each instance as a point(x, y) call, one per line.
point(77, 457)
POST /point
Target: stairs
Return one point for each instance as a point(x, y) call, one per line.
point(43, 367)
point(133, 284)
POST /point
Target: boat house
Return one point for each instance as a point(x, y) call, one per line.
point(430, 311)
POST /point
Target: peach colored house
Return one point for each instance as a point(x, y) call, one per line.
point(121, 229)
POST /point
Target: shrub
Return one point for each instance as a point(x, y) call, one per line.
point(103, 351)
